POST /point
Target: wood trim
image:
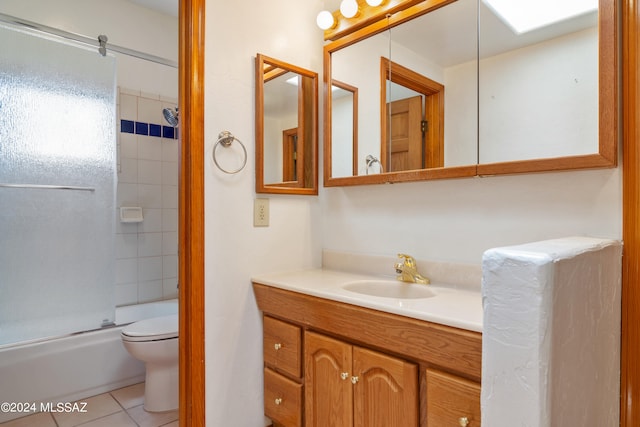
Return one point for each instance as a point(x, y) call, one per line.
point(191, 213)
point(630, 371)
point(354, 134)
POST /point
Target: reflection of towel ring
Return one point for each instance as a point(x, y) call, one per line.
point(226, 139)
point(370, 161)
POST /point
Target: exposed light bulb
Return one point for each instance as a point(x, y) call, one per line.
point(349, 8)
point(374, 3)
point(325, 20)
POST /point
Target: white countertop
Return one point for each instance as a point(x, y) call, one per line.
point(453, 306)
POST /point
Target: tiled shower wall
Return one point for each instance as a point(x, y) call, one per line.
point(146, 252)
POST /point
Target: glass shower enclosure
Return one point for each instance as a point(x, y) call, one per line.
point(57, 186)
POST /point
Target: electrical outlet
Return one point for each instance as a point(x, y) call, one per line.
point(261, 213)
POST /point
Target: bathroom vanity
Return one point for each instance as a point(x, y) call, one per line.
point(338, 357)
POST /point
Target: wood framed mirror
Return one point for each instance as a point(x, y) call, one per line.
point(480, 126)
point(392, 74)
point(286, 128)
point(548, 90)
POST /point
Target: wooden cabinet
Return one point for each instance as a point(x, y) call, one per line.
point(333, 364)
point(282, 352)
point(451, 400)
point(349, 385)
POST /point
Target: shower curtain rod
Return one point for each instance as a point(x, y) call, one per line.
point(100, 44)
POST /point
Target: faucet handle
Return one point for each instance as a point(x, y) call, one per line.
point(408, 260)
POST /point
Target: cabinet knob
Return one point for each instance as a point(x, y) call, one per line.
point(463, 421)
point(278, 401)
point(354, 380)
point(344, 375)
point(277, 346)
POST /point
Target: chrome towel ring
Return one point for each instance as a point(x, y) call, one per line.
point(225, 138)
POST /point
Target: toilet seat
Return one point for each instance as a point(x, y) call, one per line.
point(155, 329)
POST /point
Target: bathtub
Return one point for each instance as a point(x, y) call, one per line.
point(76, 366)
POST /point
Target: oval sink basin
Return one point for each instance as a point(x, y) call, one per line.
point(389, 289)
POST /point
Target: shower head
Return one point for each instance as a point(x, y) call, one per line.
point(171, 116)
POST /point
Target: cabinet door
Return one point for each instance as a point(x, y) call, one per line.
point(451, 400)
point(385, 392)
point(328, 397)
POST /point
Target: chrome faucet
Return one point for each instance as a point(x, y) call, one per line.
point(408, 270)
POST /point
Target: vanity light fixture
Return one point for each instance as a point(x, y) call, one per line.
point(325, 20)
point(374, 3)
point(349, 8)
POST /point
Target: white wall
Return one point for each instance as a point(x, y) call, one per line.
point(235, 32)
point(451, 220)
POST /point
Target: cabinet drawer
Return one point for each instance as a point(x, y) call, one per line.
point(282, 399)
point(282, 346)
point(451, 400)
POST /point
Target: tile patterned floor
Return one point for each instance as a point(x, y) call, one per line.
point(118, 408)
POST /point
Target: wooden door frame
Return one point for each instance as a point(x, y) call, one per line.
point(630, 371)
point(191, 213)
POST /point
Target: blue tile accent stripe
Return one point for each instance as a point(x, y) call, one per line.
point(126, 126)
point(149, 129)
point(155, 130)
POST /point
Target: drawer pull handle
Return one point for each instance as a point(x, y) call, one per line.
point(277, 346)
point(278, 401)
point(344, 375)
point(354, 380)
point(463, 421)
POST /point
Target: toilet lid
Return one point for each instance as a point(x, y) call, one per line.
point(157, 328)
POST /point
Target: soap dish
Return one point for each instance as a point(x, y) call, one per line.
point(131, 214)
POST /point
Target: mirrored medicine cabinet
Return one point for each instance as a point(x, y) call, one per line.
point(286, 128)
point(446, 89)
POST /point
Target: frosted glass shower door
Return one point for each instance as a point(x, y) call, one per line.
point(57, 186)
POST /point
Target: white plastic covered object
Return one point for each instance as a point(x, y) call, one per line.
point(551, 333)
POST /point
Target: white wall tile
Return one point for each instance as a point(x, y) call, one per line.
point(170, 173)
point(126, 245)
point(149, 110)
point(168, 102)
point(170, 219)
point(125, 227)
point(169, 288)
point(150, 196)
point(128, 171)
point(127, 270)
point(147, 177)
point(150, 291)
point(149, 147)
point(149, 172)
point(150, 268)
point(129, 145)
point(170, 197)
point(150, 96)
point(169, 243)
point(149, 244)
point(127, 91)
point(152, 222)
point(170, 150)
point(128, 107)
point(127, 194)
point(169, 266)
point(127, 294)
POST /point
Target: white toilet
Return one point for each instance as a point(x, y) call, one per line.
point(155, 342)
